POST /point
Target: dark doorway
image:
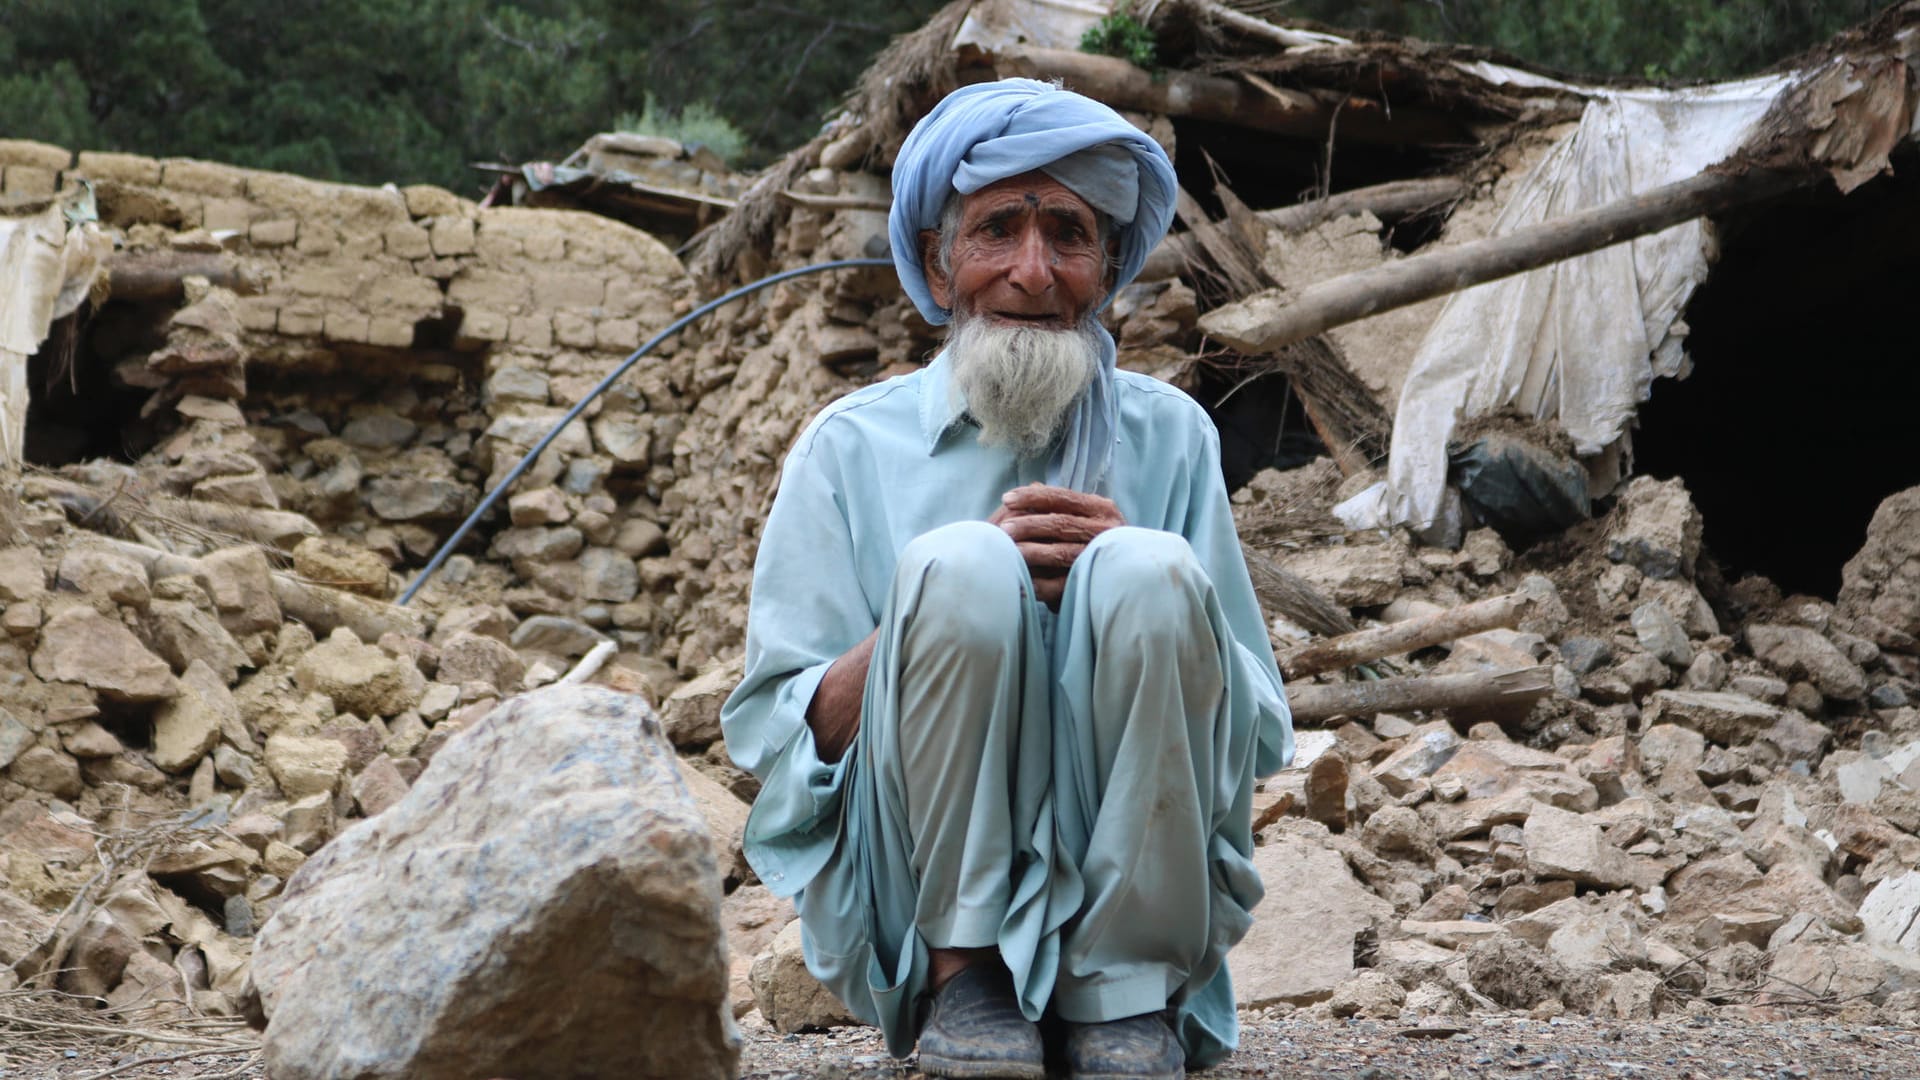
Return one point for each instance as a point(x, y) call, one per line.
point(1803, 409)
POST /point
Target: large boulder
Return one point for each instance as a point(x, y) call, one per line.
point(1300, 948)
point(543, 902)
point(1883, 580)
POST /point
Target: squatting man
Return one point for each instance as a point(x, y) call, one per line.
point(1007, 687)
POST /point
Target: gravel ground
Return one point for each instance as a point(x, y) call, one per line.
point(1566, 1048)
point(1494, 1046)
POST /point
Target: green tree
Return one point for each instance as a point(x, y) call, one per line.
point(1679, 39)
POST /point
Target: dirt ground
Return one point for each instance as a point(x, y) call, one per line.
point(1498, 1046)
point(1566, 1048)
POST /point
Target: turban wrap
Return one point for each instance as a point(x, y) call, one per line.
point(982, 134)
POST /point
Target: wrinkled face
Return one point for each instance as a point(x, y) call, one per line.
point(1027, 252)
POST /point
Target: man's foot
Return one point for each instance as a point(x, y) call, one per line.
point(1137, 1048)
point(974, 1030)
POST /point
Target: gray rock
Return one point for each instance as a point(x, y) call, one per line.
point(539, 544)
point(788, 995)
point(692, 714)
point(557, 635)
point(183, 633)
point(1891, 913)
point(627, 439)
point(1661, 634)
point(471, 657)
point(1707, 672)
point(1561, 844)
point(1307, 885)
point(1883, 580)
point(1655, 528)
point(15, 737)
point(43, 768)
point(418, 498)
point(608, 574)
point(583, 475)
point(1585, 655)
point(1729, 719)
point(379, 431)
point(574, 893)
point(1798, 652)
point(1429, 747)
point(101, 572)
point(515, 383)
point(1887, 696)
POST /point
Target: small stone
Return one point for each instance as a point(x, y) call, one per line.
point(1799, 652)
point(341, 564)
point(360, 679)
point(379, 431)
point(1427, 748)
point(1655, 528)
point(305, 765)
point(1585, 655)
point(1662, 635)
point(470, 657)
point(90, 740)
point(691, 716)
point(187, 727)
point(1887, 696)
point(43, 768)
point(379, 786)
point(557, 635)
point(101, 572)
point(80, 645)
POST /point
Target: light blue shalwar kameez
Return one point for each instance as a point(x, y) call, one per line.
point(1073, 788)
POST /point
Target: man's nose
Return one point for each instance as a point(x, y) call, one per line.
point(1032, 270)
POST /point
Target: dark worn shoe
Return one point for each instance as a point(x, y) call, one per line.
point(1137, 1048)
point(974, 1030)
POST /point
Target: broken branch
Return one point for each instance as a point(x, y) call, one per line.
point(1313, 704)
point(1404, 636)
point(1266, 322)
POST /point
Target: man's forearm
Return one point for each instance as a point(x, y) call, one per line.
point(834, 712)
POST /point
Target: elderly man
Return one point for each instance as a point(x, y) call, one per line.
point(1007, 686)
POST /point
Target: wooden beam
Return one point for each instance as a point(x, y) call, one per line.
point(1231, 101)
point(1314, 704)
point(1405, 636)
point(160, 275)
point(1274, 318)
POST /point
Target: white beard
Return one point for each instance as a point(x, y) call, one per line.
point(1020, 382)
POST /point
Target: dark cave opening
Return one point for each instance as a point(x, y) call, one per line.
point(1261, 422)
point(1800, 414)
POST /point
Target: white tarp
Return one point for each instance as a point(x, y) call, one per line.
point(47, 267)
point(1581, 340)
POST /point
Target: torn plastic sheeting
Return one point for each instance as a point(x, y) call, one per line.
point(1581, 340)
point(1523, 491)
point(50, 260)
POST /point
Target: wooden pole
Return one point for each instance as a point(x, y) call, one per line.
point(1266, 322)
point(1230, 101)
point(1314, 704)
point(1404, 636)
point(1396, 199)
point(161, 275)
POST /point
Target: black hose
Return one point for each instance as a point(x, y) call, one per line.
point(599, 388)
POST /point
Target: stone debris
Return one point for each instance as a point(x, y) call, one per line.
point(1718, 807)
point(575, 889)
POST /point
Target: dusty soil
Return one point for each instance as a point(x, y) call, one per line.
point(1565, 1049)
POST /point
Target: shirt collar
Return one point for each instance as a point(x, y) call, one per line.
point(942, 409)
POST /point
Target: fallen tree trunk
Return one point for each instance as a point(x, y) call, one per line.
point(1405, 636)
point(1312, 704)
point(1266, 322)
point(1230, 101)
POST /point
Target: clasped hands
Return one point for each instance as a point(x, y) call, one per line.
point(1051, 526)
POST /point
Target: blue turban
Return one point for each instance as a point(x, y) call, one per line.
point(982, 134)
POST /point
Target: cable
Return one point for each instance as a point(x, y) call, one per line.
point(599, 388)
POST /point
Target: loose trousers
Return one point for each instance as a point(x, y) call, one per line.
point(1051, 786)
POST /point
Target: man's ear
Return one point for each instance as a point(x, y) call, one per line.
point(937, 282)
point(1113, 262)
